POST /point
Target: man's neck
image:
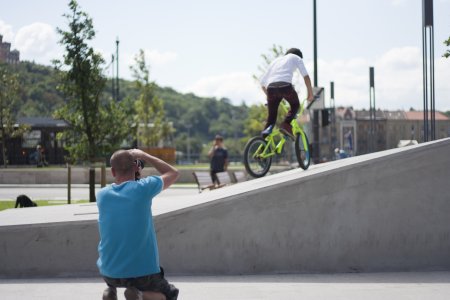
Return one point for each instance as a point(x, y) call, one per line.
point(119, 180)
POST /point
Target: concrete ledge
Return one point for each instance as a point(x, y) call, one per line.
point(387, 211)
point(79, 175)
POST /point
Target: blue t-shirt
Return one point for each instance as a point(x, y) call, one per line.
point(128, 246)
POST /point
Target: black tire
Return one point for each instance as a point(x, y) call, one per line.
point(303, 155)
point(255, 166)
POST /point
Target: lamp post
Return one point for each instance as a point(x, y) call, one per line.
point(372, 110)
point(428, 70)
point(189, 143)
point(315, 43)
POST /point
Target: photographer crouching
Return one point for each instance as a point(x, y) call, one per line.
point(128, 250)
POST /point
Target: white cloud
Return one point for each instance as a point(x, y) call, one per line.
point(152, 57)
point(155, 57)
point(38, 42)
point(398, 2)
point(6, 31)
point(236, 86)
point(398, 82)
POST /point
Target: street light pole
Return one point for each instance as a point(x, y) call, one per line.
point(315, 43)
point(117, 68)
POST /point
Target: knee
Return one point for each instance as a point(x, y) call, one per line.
point(153, 296)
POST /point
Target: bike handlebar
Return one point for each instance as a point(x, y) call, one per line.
point(316, 96)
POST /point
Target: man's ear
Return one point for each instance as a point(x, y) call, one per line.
point(113, 172)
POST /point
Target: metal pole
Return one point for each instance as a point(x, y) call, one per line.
point(432, 102)
point(69, 183)
point(92, 184)
point(332, 119)
point(425, 84)
point(103, 175)
point(428, 87)
point(315, 44)
point(117, 69)
point(113, 79)
point(372, 110)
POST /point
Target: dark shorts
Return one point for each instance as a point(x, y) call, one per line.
point(154, 282)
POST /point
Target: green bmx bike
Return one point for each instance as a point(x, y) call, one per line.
point(259, 151)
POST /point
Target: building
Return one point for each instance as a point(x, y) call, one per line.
point(42, 132)
point(353, 130)
point(6, 54)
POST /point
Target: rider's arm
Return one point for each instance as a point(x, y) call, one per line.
point(168, 173)
point(264, 89)
point(309, 88)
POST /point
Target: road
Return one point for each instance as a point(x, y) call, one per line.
point(78, 191)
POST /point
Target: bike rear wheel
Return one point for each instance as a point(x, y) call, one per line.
point(303, 154)
point(255, 164)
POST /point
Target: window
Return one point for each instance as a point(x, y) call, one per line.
point(31, 139)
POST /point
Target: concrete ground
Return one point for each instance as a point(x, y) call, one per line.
point(386, 286)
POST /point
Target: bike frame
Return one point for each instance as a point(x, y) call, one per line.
point(272, 147)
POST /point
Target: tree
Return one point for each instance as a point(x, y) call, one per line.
point(274, 52)
point(258, 113)
point(9, 94)
point(149, 108)
point(447, 43)
point(97, 125)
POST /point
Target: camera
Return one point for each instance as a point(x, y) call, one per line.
point(140, 164)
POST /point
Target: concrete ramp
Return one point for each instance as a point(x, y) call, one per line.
point(387, 211)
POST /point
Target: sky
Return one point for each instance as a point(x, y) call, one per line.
point(213, 48)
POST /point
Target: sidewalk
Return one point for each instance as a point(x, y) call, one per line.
point(386, 286)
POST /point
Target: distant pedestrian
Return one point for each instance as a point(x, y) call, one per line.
point(219, 158)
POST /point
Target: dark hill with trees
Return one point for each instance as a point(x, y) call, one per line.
point(197, 117)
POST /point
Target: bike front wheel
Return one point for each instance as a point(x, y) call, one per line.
point(255, 164)
point(303, 154)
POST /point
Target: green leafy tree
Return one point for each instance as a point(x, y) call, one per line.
point(149, 108)
point(274, 52)
point(97, 124)
point(9, 94)
point(258, 113)
point(447, 53)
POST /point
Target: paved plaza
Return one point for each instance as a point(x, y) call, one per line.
point(371, 286)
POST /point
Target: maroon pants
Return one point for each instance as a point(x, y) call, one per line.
point(275, 93)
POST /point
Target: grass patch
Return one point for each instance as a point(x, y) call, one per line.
point(10, 204)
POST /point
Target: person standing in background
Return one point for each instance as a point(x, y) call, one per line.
point(219, 158)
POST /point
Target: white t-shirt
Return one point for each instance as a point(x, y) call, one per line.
point(282, 69)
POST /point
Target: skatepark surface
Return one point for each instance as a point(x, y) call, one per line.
point(367, 286)
point(368, 227)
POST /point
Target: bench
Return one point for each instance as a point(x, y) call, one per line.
point(239, 176)
point(204, 181)
point(224, 178)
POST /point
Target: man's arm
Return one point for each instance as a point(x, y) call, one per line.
point(309, 88)
point(264, 89)
point(168, 173)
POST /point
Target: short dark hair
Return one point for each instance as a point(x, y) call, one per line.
point(295, 51)
point(122, 161)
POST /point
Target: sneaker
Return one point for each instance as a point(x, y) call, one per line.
point(267, 131)
point(132, 293)
point(110, 293)
point(173, 294)
point(287, 130)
